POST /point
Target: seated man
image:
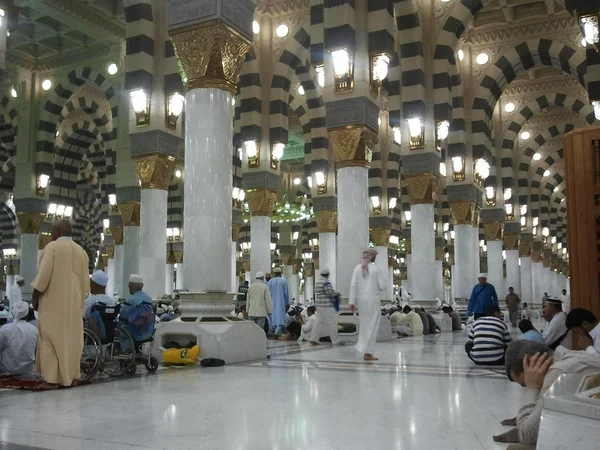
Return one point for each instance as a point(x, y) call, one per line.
point(421, 312)
point(537, 367)
point(530, 333)
point(584, 324)
point(456, 322)
point(488, 339)
point(433, 327)
point(409, 324)
point(18, 343)
point(309, 327)
point(142, 324)
point(98, 282)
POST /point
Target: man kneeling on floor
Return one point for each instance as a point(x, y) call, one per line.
point(536, 367)
point(488, 339)
point(18, 343)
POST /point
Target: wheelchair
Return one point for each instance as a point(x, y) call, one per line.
point(109, 347)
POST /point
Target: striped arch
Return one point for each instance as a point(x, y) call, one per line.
point(503, 71)
point(250, 103)
point(298, 104)
point(140, 46)
point(8, 130)
point(236, 159)
point(78, 91)
point(175, 204)
point(88, 180)
point(87, 225)
point(294, 62)
point(8, 226)
point(7, 174)
point(547, 184)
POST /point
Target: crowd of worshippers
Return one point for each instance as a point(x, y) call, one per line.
point(416, 321)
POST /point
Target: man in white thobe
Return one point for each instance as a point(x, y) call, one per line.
point(365, 298)
point(18, 342)
point(15, 294)
point(555, 331)
point(566, 299)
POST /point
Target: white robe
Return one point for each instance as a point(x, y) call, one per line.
point(555, 329)
point(14, 296)
point(309, 329)
point(365, 293)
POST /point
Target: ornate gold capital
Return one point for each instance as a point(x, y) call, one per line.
point(155, 171)
point(380, 236)
point(353, 145)
point(130, 212)
point(235, 231)
point(261, 202)
point(537, 256)
point(30, 222)
point(493, 231)
point(422, 188)
point(211, 54)
point(326, 221)
point(525, 249)
point(44, 240)
point(408, 246)
point(465, 213)
point(511, 242)
point(439, 253)
point(110, 251)
point(288, 258)
point(117, 234)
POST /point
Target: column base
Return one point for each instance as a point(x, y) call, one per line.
point(205, 304)
point(430, 305)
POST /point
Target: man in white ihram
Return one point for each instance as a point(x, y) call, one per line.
point(15, 294)
point(365, 297)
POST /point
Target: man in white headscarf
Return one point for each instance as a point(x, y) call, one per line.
point(18, 342)
point(15, 294)
point(365, 298)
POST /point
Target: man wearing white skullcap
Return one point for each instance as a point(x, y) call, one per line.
point(15, 294)
point(482, 297)
point(258, 301)
point(136, 284)
point(98, 282)
point(18, 342)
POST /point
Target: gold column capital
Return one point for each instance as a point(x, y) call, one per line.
point(261, 202)
point(117, 234)
point(465, 213)
point(30, 222)
point(511, 242)
point(353, 145)
point(422, 188)
point(155, 171)
point(110, 251)
point(493, 230)
point(44, 240)
point(235, 231)
point(381, 236)
point(130, 212)
point(408, 246)
point(211, 54)
point(537, 256)
point(326, 221)
point(525, 249)
point(439, 253)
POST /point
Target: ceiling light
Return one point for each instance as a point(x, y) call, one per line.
point(13, 93)
point(178, 173)
point(46, 84)
point(583, 42)
point(300, 89)
point(509, 107)
point(461, 55)
point(255, 27)
point(341, 62)
point(525, 135)
point(320, 76)
point(112, 69)
point(482, 59)
point(380, 67)
point(397, 133)
point(547, 173)
point(282, 30)
point(297, 181)
point(443, 169)
point(414, 126)
point(537, 157)
point(595, 104)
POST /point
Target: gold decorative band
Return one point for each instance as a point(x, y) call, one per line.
point(235, 231)
point(261, 202)
point(155, 171)
point(30, 222)
point(130, 212)
point(511, 242)
point(117, 234)
point(465, 213)
point(353, 145)
point(422, 188)
point(326, 221)
point(493, 230)
point(525, 249)
point(380, 236)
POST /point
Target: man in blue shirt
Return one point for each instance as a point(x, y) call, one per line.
point(483, 296)
point(280, 296)
point(136, 283)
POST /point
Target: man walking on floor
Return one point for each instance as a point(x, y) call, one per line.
point(512, 304)
point(483, 296)
point(280, 296)
point(326, 323)
point(365, 298)
point(258, 301)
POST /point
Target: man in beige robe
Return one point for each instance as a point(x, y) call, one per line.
point(60, 287)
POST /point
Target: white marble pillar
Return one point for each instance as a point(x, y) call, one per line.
point(476, 256)
point(10, 281)
point(309, 289)
point(353, 223)
point(288, 271)
point(526, 280)
point(495, 266)
point(294, 288)
point(381, 261)
point(110, 271)
point(169, 279)
point(118, 284)
point(234, 277)
point(536, 279)
point(180, 277)
point(207, 200)
point(439, 280)
point(464, 256)
point(546, 286)
point(513, 271)
point(153, 240)
point(29, 262)
point(423, 252)
point(131, 255)
point(260, 249)
point(328, 256)
point(409, 273)
point(248, 277)
point(391, 283)
point(453, 290)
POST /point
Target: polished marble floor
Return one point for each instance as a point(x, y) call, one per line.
point(423, 393)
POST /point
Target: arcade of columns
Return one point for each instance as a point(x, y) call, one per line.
point(380, 167)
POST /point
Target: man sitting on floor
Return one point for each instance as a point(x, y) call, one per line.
point(530, 333)
point(309, 327)
point(537, 367)
point(456, 323)
point(408, 324)
point(18, 343)
point(488, 339)
point(584, 324)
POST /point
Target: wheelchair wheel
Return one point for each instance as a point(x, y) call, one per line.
point(131, 369)
point(91, 356)
point(120, 356)
point(151, 365)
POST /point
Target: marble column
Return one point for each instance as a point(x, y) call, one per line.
point(294, 288)
point(381, 239)
point(327, 225)
point(391, 283)
point(234, 276)
point(30, 224)
point(526, 280)
point(513, 270)
point(260, 239)
point(439, 280)
point(536, 279)
point(476, 255)
point(180, 277)
point(130, 212)
point(309, 289)
point(110, 271)
point(409, 273)
point(466, 217)
point(169, 279)
point(453, 289)
point(211, 54)
point(493, 234)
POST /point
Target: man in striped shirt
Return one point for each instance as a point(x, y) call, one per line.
point(325, 296)
point(488, 339)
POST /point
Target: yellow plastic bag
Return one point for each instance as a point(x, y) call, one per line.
point(181, 356)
